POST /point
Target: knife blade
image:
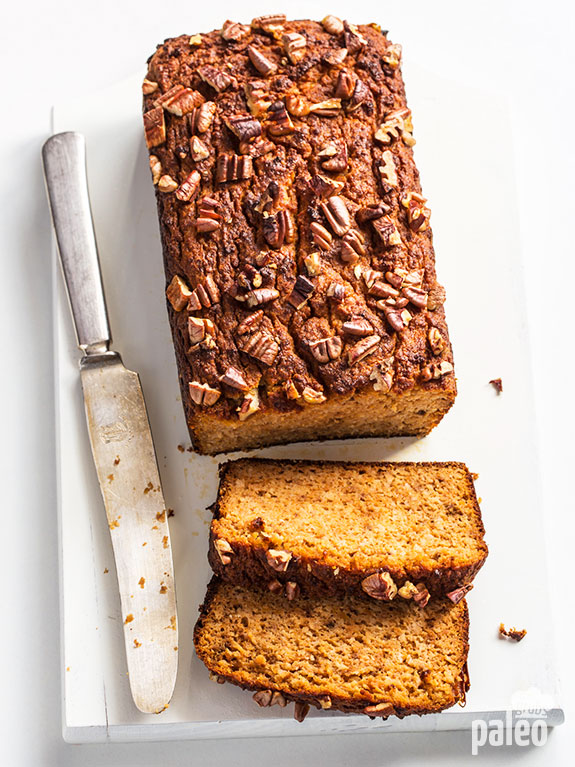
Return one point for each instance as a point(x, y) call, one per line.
point(120, 438)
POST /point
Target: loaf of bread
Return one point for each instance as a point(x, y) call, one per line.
point(350, 653)
point(300, 268)
point(389, 530)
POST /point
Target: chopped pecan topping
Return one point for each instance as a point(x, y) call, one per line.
point(335, 58)
point(291, 390)
point(279, 122)
point(292, 590)
point(250, 323)
point(395, 313)
point(278, 698)
point(345, 85)
point(379, 709)
point(198, 328)
point(180, 101)
point(396, 124)
point(205, 295)
point(278, 228)
point(200, 119)
point(336, 292)
point(515, 634)
point(457, 594)
point(363, 349)
point(202, 394)
point(278, 560)
point(497, 384)
point(312, 396)
point(189, 188)
point(382, 375)
point(361, 94)
point(149, 86)
point(387, 170)
point(333, 157)
point(370, 277)
point(416, 296)
point(417, 213)
point(408, 590)
point(233, 167)
point(387, 231)
point(224, 551)
point(258, 98)
point(155, 127)
point(167, 184)
point(301, 292)
point(357, 326)
point(312, 264)
point(320, 235)
point(234, 378)
point(332, 24)
point(392, 56)
point(178, 293)
point(436, 341)
point(328, 108)
point(261, 346)
point(324, 187)
point(354, 40)
point(436, 297)
point(352, 246)
point(379, 586)
point(422, 597)
point(294, 46)
point(301, 710)
point(256, 148)
point(244, 127)
point(325, 702)
point(208, 217)
point(337, 215)
point(326, 349)
point(275, 586)
point(250, 405)
point(261, 296)
point(381, 289)
point(269, 23)
point(156, 168)
point(231, 30)
point(198, 149)
point(263, 697)
point(297, 105)
point(195, 40)
point(216, 78)
point(261, 63)
point(372, 212)
point(436, 370)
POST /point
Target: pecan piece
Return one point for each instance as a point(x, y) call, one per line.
point(312, 396)
point(216, 78)
point(263, 698)
point(312, 263)
point(195, 41)
point(320, 235)
point(392, 56)
point(261, 296)
point(372, 212)
point(421, 599)
point(269, 23)
point(275, 586)
point(387, 170)
point(337, 215)
point(257, 97)
point(436, 370)
point(154, 127)
point(301, 710)
point(244, 126)
point(361, 94)
point(279, 122)
point(233, 167)
point(250, 405)
point(261, 63)
point(199, 328)
point(324, 187)
point(396, 124)
point(278, 228)
point(208, 219)
point(357, 326)
point(417, 214)
point(301, 292)
point(354, 40)
point(296, 105)
point(363, 349)
point(234, 378)
point(198, 149)
point(328, 108)
point(231, 30)
point(497, 384)
point(189, 187)
point(352, 246)
point(156, 168)
point(457, 594)
point(205, 295)
point(335, 58)
point(294, 46)
point(416, 296)
point(387, 231)
point(408, 590)
point(278, 698)
point(333, 157)
point(326, 349)
point(261, 346)
point(436, 341)
point(202, 394)
point(381, 289)
point(380, 709)
point(395, 313)
point(345, 85)
point(256, 148)
point(250, 323)
point(336, 292)
point(379, 586)
point(382, 375)
point(224, 551)
point(332, 24)
point(179, 100)
point(278, 560)
point(149, 86)
point(178, 293)
point(292, 590)
point(167, 184)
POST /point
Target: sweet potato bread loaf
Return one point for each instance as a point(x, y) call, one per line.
point(388, 530)
point(300, 268)
point(350, 654)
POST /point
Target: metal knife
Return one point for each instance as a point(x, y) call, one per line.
point(121, 440)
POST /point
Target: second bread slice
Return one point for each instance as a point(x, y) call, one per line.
point(390, 530)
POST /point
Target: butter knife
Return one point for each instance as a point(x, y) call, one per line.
point(121, 440)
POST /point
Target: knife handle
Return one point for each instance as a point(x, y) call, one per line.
point(64, 158)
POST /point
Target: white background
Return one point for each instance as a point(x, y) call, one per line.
point(49, 52)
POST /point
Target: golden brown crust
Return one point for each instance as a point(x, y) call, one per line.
point(246, 222)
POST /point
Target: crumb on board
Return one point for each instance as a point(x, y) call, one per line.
point(161, 516)
point(148, 487)
point(474, 476)
point(171, 513)
point(114, 523)
point(110, 477)
point(129, 618)
point(106, 570)
point(142, 582)
point(165, 541)
point(163, 588)
point(116, 460)
point(515, 634)
point(68, 667)
point(136, 643)
point(497, 384)
point(145, 543)
point(181, 448)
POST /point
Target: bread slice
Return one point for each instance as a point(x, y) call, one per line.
point(319, 528)
point(347, 653)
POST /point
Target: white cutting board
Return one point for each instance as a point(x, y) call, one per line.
point(464, 156)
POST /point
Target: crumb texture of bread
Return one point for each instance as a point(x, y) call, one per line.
point(338, 523)
point(301, 283)
point(349, 654)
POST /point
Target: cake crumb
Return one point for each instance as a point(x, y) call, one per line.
point(116, 460)
point(171, 513)
point(181, 448)
point(148, 487)
point(136, 643)
point(161, 516)
point(106, 570)
point(515, 634)
point(110, 477)
point(142, 582)
point(497, 384)
point(165, 541)
point(129, 618)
